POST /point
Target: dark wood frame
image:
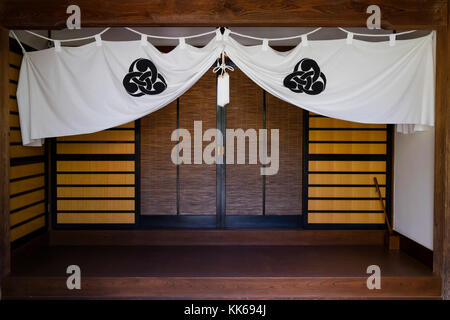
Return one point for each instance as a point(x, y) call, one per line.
point(5, 251)
point(399, 15)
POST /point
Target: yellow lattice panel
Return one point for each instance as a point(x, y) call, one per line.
point(96, 192)
point(347, 148)
point(365, 166)
point(95, 218)
point(96, 166)
point(95, 179)
point(347, 135)
point(344, 192)
point(346, 218)
point(27, 228)
point(94, 205)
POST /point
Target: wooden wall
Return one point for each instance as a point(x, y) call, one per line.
point(95, 177)
point(342, 160)
point(28, 194)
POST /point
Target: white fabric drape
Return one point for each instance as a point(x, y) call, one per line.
point(369, 82)
point(80, 90)
point(77, 90)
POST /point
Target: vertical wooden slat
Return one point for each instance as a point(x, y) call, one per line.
point(4, 154)
point(442, 161)
point(446, 164)
point(441, 240)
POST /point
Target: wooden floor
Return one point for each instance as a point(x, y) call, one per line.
point(217, 272)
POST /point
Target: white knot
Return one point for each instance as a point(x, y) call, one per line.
point(222, 67)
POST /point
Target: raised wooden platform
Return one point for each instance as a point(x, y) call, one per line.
point(213, 271)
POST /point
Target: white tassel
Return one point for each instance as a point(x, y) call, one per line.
point(223, 89)
point(223, 82)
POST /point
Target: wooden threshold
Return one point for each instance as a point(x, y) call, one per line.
point(216, 237)
point(221, 288)
point(217, 272)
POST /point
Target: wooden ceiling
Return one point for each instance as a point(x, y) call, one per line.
point(51, 14)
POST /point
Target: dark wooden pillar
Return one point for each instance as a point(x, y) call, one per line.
point(441, 242)
point(445, 135)
point(4, 154)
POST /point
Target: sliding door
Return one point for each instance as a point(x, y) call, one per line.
point(181, 188)
point(178, 189)
point(255, 199)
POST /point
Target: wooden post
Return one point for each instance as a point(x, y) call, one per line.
point(441, 239)
point(392, 240)
point(4, 154)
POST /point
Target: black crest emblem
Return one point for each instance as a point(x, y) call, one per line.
point(143, 78)
point(306, 78)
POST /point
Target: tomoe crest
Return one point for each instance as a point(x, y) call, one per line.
point(306, 78)
point(143, 78)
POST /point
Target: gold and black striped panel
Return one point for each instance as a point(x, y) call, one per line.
point(95, 179)
point(27, 198)
point(96, 218)
point(114, 141)
point(27, 170)
point(24, 229)
point(343, 158)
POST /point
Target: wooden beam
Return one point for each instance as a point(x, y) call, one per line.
point(51, 14)
point(4, 154)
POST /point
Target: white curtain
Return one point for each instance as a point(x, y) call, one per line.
point(76, 90)
point(360, 81)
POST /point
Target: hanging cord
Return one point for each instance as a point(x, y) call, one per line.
point(222, 67)
point(20, 44)
point(171, 38)
point(68, 40)
point(375, 35)
point(275, 39)
point(49, 43)
point(129, 29)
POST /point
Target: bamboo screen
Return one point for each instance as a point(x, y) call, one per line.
point(189, 189)
point(158, 172)
point(247, 191)
point(244, 183)
point(198, 181)
point(283, 191)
